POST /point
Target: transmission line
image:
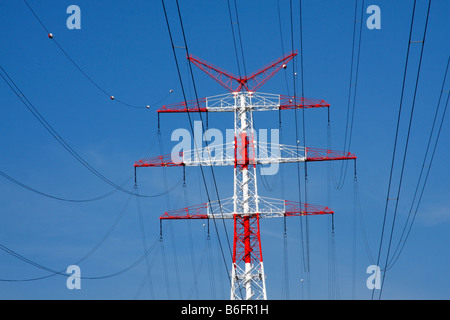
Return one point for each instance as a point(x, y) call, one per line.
point(189, 117)
point(77, 66)
point(62, 272)
point(351, 102)
point(18, 92)
point(8, 177)
point(402, 240)
point(406, 145)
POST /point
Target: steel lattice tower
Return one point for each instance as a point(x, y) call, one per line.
point(246, 207)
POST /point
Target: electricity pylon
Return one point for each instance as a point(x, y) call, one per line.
point(246, 207)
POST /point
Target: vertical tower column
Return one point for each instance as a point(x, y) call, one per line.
point(245, 186)
point(248, 278)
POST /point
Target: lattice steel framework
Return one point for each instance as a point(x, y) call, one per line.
point(246, 207)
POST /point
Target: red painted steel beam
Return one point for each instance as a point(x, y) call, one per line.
point(189, 106)
point(160, 161)
point(314, 154)
point(294, 209)
point(192, 212)
point(291, 102)
point(249, 83)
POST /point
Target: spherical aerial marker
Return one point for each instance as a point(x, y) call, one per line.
point(148, 107)
point(284, 66)
point(171, 91)
point(50, 35)
point(112, 97)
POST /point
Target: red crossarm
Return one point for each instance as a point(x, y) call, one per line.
point(293, 208)
point(215, 104)
point(191, 106)
point(160, 161)
point(192, 212)
point(286, 207)
point(290, 102)
point(314, 154)
point(249, 83)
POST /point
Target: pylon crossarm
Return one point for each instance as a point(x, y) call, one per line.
point(192, 212)
point(260, 102)
point(267, 208)
point(191, 106)
point(293, 208)
point(210, 210)
point(246, 83)
point(315, 154)
point(224, 78)
point(261, 76)
point(292, 102)
point(273, 208)
point(229, 154)
point(160, 161)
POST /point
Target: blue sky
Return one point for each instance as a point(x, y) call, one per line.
point(125, 48)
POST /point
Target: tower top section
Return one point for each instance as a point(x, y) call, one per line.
point(234, 83)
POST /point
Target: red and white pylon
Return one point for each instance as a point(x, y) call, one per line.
point(246, 207)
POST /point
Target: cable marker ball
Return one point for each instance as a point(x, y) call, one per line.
point(50, 35)
point(112, 97)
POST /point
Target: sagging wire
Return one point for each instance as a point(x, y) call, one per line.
point(63, 272)
point(84, 73)
point(143, 238)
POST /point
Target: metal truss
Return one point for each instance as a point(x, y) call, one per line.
point(245, 153)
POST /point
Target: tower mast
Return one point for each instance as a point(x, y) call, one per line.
point(246, 207)
point(246, 221)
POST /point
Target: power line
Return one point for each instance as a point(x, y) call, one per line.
point(303, 233)
point(89, 78)
point(62, 272)
point(282, 50)
point(18, 92)
point(144, 241)
point(405, 151)
point(8, 177)
point(234, 39)
point(285, 275)
point(351, 102)
point(240, 37)
point(304, 143)
point(396, 136)
point(189, 117)
point(401, 242)
point(55, 272)
point(406, 145)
